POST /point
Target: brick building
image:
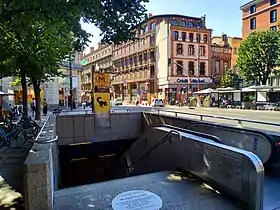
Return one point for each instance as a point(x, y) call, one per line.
point(141, 67)
point(224, 55)
point(259, 15)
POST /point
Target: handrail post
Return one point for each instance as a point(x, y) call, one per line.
point(240, 123)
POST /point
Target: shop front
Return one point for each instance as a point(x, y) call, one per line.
point(178, 88)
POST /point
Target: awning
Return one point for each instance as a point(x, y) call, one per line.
point(5, 94)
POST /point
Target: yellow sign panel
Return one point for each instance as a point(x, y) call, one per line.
point(102, 102)
point(102, 79)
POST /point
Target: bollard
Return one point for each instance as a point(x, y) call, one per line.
point(201, 117)
point(240, 123)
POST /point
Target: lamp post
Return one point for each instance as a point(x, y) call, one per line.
point(71, 82)
point(198, 58)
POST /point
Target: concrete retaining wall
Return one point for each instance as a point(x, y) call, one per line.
point(74, 129)
point(41, 171)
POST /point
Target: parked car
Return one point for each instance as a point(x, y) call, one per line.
point(157, 103)
point(117, 102)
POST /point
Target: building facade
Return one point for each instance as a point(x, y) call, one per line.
point(220, 61)
point(55, 91)
point(141, 67)
point(233, 42)
point(100, 60)
point(259, 15)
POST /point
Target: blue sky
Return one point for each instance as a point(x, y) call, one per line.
point(221, 16)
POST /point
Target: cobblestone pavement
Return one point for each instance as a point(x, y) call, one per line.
point(11, 174)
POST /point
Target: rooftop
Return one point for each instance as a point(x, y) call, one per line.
point(250, 3)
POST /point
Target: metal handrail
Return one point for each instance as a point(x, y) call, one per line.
point(49, 141)
point(157, 144)
point(220, 117)
point(38, 136)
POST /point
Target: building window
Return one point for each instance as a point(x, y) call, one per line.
point(234, 69)
point(176, 35)
point(253, 23)
point(191, 68)
point(202, 50)
point(198, 37)
point(273, 16)
point(183, 23)
point(205, 38)
point(252, 9)
point(179, 68)
point(179, 49)
point(202, 69)
point(191, 37)
point(235, 50)
point(272, 2)
point(184, 35)
point(273, 28)
point(174, 22)
point(153, 26)
point(191, 50)
point(191, 24)
point(197, 24)
point(146, 29)
point(152, 40)
point(217, 67)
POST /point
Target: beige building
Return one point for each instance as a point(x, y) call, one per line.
point(141, 66)
point(101, 60)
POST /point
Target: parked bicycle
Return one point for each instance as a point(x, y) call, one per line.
point(15, 135)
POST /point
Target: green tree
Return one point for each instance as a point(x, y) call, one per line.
point(23, 24)
point(258, 55)
point(230, 79)
point(46, 52)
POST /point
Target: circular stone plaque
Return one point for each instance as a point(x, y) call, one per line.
point(137, 199)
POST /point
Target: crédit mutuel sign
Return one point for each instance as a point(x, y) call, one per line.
point(193, 81)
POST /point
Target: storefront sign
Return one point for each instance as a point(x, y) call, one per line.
point(193, 81)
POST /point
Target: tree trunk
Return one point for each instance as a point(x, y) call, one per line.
point(24, 91)
point(37, 92)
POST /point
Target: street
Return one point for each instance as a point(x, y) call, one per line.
point(212, 115)
point(253, 115)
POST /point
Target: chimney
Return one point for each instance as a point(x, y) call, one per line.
point(100, 45)
point(150, 15)
point(91, 49)
point(203, 20)
point(224, 38)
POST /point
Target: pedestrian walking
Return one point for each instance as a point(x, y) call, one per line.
point(45, 107)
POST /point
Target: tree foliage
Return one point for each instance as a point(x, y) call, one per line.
point(36, 35)
point(258, 55)
point(230, 79)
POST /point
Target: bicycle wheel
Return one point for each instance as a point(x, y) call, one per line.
point(17, 140)
point(4, 142)
point(29, 134)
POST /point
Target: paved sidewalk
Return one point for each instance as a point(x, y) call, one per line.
point(11, 175)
